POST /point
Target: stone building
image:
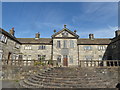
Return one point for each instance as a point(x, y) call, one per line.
point(114, 47)
point(9, 45)
point(65, 47)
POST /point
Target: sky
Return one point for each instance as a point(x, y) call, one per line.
point(28, 18)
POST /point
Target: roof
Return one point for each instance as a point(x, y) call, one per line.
point(8, 35)
point(65, 29)
point(96, 41)
point(35, 41)
point(48, 41)
point(115, 39)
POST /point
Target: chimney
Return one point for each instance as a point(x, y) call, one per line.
point(117, 33)
point(12, 31)
point(91, 36)
point(37, 35)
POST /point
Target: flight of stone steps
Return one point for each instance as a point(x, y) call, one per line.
point(74, 77)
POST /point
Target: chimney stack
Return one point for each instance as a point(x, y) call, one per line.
point(117, 33)
point(12, 31)
point(91, 36)
point(37, 35)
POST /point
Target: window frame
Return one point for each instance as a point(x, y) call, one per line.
point(86, 48)
point(65, 44)
point(71, 44)
point(42, 47)
point(58, 44)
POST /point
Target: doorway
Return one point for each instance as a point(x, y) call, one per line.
point(65, 60)
point(9, 55)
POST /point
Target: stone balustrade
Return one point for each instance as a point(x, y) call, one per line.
point(99, 63)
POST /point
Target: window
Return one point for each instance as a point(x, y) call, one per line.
point(17, 57)
point(27, 47)
point(29, 57)
point(88, 57)
point(87, 48)
point(25, 57)
point(17, 45)
point(71, 59)
point(100, 57)
point(114, 46)
point(3, 38)
point(58, 44)
point(101, 47)
point(42, 47)
point(41, 57)
point(13, 56)
point(0, 56)
point(71, 44)
point(65, 44)
point(65, 34)
point(20, 57)
point(59, 58)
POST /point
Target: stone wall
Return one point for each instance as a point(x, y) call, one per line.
point(34, 52)
point(9, 48)
point(94, 53)
point(115, 48)
point(70, 52)
point(19, 72)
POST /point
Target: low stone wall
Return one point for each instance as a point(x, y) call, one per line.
point(17, 72)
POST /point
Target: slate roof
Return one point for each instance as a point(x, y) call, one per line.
point(81, 41)
point(8, 35)
point(115, 39)
point(96, 41)
point(35, 41)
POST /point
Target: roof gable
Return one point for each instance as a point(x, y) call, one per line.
point(65, 33)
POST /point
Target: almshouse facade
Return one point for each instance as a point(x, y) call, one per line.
point(65, 47)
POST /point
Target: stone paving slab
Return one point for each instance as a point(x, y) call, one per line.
point(9, 84)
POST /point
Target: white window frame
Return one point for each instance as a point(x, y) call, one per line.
point(65, 44)
point(58, 44)
point(28, 47)
point(71, 44)
point(87, 47)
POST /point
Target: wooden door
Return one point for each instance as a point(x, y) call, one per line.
point(65, 60)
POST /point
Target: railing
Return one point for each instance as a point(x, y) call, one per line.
point(25, 62)
point(82, 63)
point(99, 63)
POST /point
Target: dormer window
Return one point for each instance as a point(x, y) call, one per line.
point(65, 34)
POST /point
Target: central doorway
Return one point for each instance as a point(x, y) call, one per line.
point(65, 60)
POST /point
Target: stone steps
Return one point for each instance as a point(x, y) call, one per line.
point(66, 85)
point(32, 84)
point(68, 78)
point(37, 77)
point(33, 81)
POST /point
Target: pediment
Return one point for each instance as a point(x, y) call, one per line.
point(65, 33)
